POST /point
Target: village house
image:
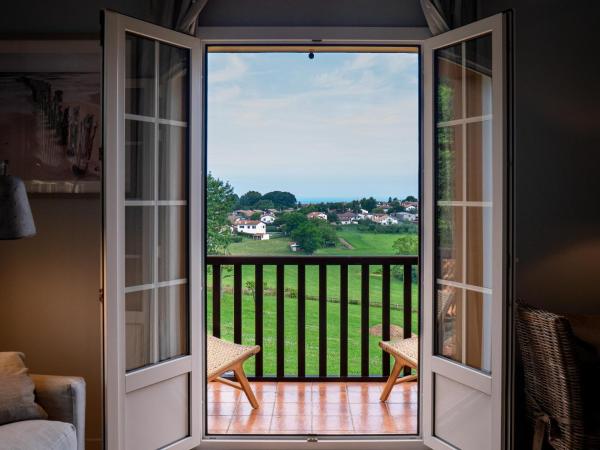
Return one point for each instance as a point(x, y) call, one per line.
point(256, 228)
point(384, 219)
point(410, 206)
point(267, 218)
point(244, 213)
point(347, 218)
point(384, 206)
point(317, 215)
point(406, 216)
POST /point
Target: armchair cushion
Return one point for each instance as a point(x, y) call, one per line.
point(38, 435)
point(17, 399)
point(63, 398)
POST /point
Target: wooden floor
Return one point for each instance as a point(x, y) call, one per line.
point(313, 408)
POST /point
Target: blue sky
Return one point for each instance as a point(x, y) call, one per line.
point(340, 126)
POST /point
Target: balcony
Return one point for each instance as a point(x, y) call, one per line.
point(318, 321)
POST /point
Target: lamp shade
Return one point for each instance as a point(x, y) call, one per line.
point(16, 221)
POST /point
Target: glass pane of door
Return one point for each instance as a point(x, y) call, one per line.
point(463, 201)
point(156, 201)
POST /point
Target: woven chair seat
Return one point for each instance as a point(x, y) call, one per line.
point(221, 355)
point(407, 349)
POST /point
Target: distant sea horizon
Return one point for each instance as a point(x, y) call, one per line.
point(341, 199)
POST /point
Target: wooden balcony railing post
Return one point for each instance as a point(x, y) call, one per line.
point(344, 320)
point(216, 300)
point(407, 308)
point(322, 320)
point(301, 321)
point(258, 316)
point(280, 321)
point(385, 315)
point(237, 304)
point(364, 321)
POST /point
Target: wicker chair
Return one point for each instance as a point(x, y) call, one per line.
point(223, 356)
point(405, 353)
point(553, 383)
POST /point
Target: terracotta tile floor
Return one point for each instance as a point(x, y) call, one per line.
point(315, 408)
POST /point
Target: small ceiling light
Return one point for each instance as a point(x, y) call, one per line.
point(311, 55)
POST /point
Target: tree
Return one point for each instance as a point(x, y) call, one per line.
point(249, 199)
point(255, 216)
point(396, 206)
point(290, 221)
point(220, 201)
point(327, 232)
point(264, 204)
point(314, 234)
point(251, 286)
point(281, 199)
point(355, 206)
point(332, 217)
point(406, 244)
point(368, 203)
point(410, 198)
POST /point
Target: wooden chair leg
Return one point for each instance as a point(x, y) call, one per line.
point(391, 380)
point(241, 377)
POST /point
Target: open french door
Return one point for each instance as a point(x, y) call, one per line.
point(152, 236)
point(464, 273)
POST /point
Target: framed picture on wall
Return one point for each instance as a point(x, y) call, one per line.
point(50, 114)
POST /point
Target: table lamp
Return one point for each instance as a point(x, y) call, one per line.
point(16, 221)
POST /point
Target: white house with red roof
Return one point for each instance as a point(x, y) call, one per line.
point(256, 228)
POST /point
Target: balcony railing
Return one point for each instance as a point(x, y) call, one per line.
point(386, 267)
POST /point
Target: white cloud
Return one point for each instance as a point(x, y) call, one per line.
point(234, 69)
point(224, 94)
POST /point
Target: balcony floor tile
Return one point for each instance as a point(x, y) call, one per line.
point(313, 408)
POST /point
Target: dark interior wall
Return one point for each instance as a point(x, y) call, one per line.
point(49, 306)
point(65, 16)
point(49, 284)
point(557, 151)
point(557, 156)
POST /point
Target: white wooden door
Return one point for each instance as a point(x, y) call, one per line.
point(152, 236)
point(464, 237)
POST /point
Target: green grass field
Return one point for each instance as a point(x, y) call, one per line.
point(363, 244)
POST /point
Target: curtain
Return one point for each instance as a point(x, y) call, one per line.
point(433, 13)
point(444, 15)
point(180, 15)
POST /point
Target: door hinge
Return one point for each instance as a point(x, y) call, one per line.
point(101, 295)
point(312, 438)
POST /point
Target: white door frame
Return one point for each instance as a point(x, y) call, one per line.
point(493, 385)
point(116, 382)
point(314, 37)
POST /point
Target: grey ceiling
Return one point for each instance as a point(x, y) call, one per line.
point(365, 13)
point(82, 16)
